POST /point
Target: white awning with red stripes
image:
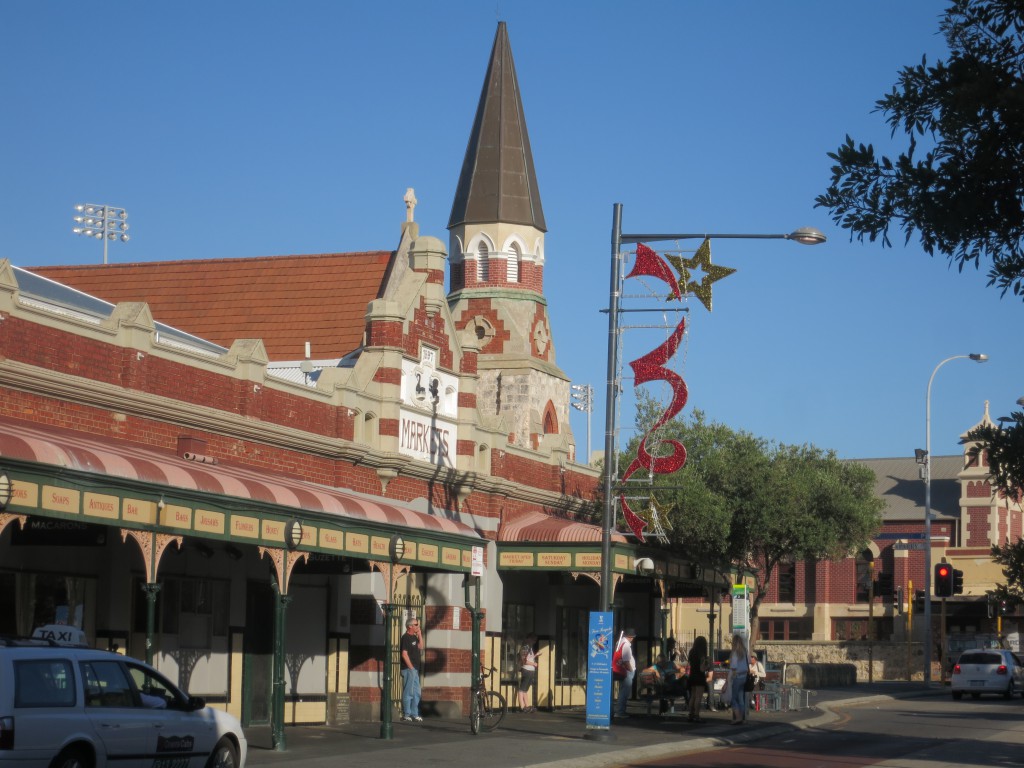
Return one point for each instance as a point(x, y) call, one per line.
point(72, 450)
point(535, 526)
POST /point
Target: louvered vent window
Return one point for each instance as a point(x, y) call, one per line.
point(483, 267)
point(514, 257)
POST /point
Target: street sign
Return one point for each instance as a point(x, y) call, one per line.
point(740, 610)
point(907, 545)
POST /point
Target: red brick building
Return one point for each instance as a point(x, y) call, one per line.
point(215, 459)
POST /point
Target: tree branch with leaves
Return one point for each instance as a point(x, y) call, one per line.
point(959, 184)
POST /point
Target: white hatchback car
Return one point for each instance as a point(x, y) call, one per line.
point(67, 707)
point(987, 670)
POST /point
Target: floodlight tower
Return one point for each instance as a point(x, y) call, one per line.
point(104, 222)
point(583, 400)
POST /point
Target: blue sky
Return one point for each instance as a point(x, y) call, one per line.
point(261, 128)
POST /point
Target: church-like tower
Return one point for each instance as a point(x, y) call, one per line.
point(497, 265)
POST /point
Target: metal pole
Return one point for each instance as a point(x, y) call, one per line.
point(871, 622)
point(942, 632)
point(928, 527)
point(151, 590)
point(106, 224)
point(910, 624)
point(980, 358)
point(277, 738)
point(476, 618)
point(611, 401)
point(387, 705)
point(590, 410)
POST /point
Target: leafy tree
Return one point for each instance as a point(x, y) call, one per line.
point(1011, 558)
point(754, 504)
point(960, 181)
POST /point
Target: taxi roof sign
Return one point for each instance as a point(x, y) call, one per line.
point(62, 634)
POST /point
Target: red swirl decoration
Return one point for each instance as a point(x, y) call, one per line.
point(651, 367)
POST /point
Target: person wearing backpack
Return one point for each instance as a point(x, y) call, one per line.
point(624, 669)
point(527, 672)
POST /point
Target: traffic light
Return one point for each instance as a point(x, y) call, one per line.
point(1004, 608)
point(897, 599)
point(943, 580)
point(958, 582)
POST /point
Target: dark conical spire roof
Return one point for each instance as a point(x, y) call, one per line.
point(498, 181)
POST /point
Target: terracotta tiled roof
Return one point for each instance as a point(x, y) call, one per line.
point(284, 300)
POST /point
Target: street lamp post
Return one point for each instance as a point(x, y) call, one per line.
point(805, 235)
point(583, 400)
point(979, 358)
point(104, 222)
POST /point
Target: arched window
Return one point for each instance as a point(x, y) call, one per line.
point(550, 420)
point(515, 257)
point(864, 574)
point(483, 267)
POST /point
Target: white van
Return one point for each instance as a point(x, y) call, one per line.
point(71, 707)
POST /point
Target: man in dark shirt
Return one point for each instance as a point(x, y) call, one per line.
point(412, 647)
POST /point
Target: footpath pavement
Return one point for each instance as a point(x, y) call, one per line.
point(552, 739)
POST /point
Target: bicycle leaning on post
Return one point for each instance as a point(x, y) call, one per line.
point(486, 708)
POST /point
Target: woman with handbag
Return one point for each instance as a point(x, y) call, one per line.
point(700, 675)
point(739, 678)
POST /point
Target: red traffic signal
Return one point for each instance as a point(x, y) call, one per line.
point(943, 580)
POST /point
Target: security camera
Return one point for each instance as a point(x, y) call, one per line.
point(644, 566)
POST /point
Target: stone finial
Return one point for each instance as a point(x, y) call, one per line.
point(410, 203)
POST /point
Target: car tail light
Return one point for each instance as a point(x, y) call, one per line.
point(1002, 670)
point(956, 669)
point(6, 733)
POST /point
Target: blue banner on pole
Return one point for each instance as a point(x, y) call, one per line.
point(600, 646)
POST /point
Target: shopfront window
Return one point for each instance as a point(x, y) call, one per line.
point(196, 610)
point(31, 600)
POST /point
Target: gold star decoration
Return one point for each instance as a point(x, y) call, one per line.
point(712, 273)
point(655, 517)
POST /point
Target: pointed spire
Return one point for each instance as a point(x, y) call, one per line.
point(498, 182)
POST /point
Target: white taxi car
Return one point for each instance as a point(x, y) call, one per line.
point(73, 707)
point(987, 670)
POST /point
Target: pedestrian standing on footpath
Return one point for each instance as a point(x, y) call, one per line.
point(739, 669)
point(527, 672)
point(412, 657)
point(700, 676)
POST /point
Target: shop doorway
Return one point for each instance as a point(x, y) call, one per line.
point(258, 654)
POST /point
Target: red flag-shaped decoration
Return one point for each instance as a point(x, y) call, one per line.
point(651, 367)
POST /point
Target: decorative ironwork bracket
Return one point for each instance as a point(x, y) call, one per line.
point(152, 545)
point(284, 563)
point(391, 573)
point(6, 518)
